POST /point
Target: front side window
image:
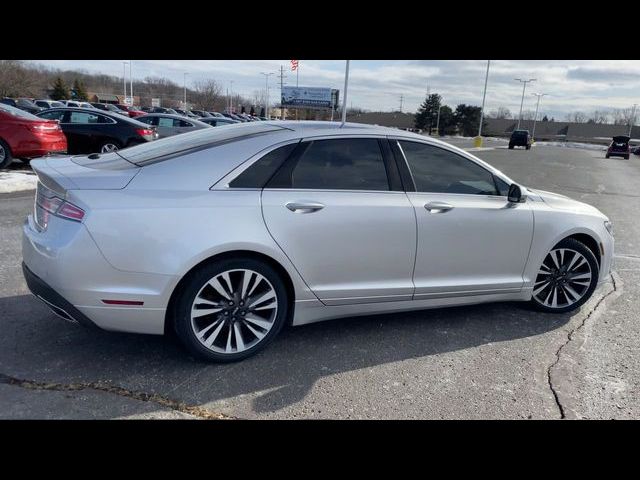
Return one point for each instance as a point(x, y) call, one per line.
point(344, 164)
point(54, 115)
point(436, 170)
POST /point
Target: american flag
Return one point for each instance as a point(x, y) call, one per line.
point(294, 65)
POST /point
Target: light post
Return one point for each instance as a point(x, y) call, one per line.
point(524, 86)
point(633, 117)
point(131, 81)
point(230, 96)
point(266, 83)
point(478, 142)
point(344, 100)
point(124, 78)
point(438, 120)
point(535, 118)
point(185, 90)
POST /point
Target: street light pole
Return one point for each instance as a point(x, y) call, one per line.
point(484, 95)
point(438, 120)
point(131, 80)
point(344, 100)
point(633, 117)
point(185, 90)
point(535, 118)
point(124, 79)
point(524, 86)
point(266, 84)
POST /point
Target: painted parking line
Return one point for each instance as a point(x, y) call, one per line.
point(479, 149)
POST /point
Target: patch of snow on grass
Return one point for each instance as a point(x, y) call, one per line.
point(16, 182)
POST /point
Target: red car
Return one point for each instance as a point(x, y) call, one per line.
point(25, 136)
point(132, 111)
point(619, 147)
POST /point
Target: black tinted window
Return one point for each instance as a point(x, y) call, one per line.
point(438, 170)
point(346, 164)
point(258, 174)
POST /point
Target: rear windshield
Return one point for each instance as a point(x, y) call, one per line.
point(520, 133)
point(165, 148)
point(17, 112)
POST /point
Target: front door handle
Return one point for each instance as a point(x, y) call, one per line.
point(304, 207)
point(438, 207)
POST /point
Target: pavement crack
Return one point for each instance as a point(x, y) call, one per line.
point(570, 336)
point(198, 412)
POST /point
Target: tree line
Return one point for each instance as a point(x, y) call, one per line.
point(615, 116)
point(433, 114)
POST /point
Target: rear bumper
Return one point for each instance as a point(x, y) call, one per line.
point(56, 302)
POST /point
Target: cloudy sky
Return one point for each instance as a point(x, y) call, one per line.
point(377, 85)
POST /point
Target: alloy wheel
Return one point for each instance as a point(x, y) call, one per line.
point(234, 311)
point(563, 279)
point(3, 154)
point(108, 147)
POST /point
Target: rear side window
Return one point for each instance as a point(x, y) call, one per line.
point(83, 118)
point(54, 115)
point(258, 174)
point(344, 164)
point(436, 170)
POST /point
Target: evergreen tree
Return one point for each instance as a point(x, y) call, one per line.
point(467, 119)
point(447, 125)
point(545, 119)
point(81, 92)
point(427, 114)
point(60, 90)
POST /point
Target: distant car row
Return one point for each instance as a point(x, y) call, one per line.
point(64, 128)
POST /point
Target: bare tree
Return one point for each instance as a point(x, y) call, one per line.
point(17, 80)
point(207, 93)
point(577, 117)
point(528, 114)
point(623, 116)
point(599, 116)
point(500, 113)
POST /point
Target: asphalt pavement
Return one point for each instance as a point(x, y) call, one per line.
point(490, 361)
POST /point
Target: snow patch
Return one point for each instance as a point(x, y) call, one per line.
point(585, 146)
point(17, 181)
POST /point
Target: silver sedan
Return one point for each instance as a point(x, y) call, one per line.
point(168, 124)
point(225, 235)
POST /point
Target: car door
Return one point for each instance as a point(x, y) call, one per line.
point(77, 127)
point(183, 126)
point(338, 212)
point(471, 239)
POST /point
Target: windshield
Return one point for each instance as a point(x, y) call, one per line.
point(16, 112)
point(168, 147)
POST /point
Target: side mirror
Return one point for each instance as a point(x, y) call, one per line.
point(515, 194)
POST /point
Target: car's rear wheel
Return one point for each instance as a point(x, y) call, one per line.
point(109, 146)
point(230, 309)
point(566, 279)
point(510, 147)
point(607, 156)
point(626, 157)
point(5, 154)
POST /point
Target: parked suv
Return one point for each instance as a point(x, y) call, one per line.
point(619, 147)
point(520, 138)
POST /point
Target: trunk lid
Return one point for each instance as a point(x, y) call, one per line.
point(93, 172)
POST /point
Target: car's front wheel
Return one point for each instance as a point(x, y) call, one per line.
point(230, 309)
point(567, 277)
point(109, 146)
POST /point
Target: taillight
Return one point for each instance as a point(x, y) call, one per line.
point(143, 132)
point(47, 204)
point(44, 127)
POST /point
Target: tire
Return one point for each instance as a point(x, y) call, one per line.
point(567, 293)
point(626, 157)
point(528, 147)
point(231, 331)
point(607, 156)
point(510, 147)
point(5, 154)
point(109, 146)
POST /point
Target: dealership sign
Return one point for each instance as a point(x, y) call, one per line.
point(307, 97)
point(155, 102)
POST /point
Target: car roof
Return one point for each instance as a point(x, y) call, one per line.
point(171, 115)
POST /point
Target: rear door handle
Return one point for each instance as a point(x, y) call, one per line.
point(438, 207)
point(304, 207)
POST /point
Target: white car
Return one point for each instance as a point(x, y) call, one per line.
point(227, 234)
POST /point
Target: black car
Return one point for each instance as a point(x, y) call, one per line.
point(90, 131)
point(23, 104)
point(219, 121)
point(108, 107)
point(520, 138)
point(202, 113)
point(619, 147)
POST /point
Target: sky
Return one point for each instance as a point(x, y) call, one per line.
point(570, 85)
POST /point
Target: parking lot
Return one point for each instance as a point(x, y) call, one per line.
point(487, 361)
